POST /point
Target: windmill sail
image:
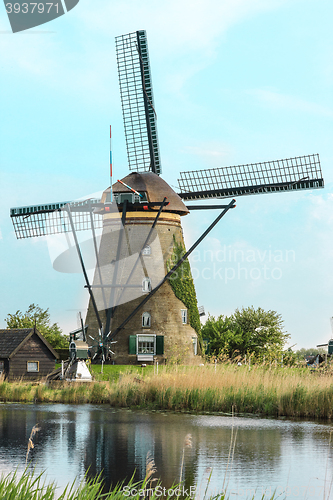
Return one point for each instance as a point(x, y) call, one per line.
point(137, 100)
point(302, 172)
point(52, 218)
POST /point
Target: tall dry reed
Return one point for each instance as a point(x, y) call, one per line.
point(275, 392)
point(31, 445)
point(261, 390)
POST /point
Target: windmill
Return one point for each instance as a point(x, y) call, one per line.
point(329, 344)
point(140, 254)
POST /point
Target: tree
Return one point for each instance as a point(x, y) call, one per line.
point(219, 333)
point(247, 331)
point(36, 315)
point(312, 351)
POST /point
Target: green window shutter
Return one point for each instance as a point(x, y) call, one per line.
point(132, 344)
point(159, 344)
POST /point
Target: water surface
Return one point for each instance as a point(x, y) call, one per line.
point(269, 454)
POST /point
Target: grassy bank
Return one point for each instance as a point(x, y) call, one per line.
point(271, 392)
point(111, 373)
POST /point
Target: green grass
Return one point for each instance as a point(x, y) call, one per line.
point(30, 486)
point(33, 487)
point(112, 373)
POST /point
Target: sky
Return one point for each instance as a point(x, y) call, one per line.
point(235, 82)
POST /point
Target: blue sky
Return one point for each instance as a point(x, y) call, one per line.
point(234, 82)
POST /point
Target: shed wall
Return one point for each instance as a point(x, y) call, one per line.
point(33, 350)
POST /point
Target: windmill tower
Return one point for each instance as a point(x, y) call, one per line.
point(141, 296)
point(161, 328)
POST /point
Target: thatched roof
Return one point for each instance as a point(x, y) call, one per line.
point(155, 188)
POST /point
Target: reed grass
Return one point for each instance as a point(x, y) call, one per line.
point(30, 486)
point(290, 392)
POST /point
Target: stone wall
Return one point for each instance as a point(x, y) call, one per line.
point(164, 307)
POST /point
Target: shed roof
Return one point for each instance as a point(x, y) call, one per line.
point(11, 339)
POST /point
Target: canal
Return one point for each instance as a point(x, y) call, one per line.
point(293, 458)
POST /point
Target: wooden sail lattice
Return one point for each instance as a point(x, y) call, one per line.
point(137, 101)
point(301, 172)
point(52, 218)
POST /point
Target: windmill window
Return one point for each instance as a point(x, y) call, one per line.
point(146, 344)
point(33, 366)
point(146, 285)
point(146, 250)
point(143, 342)
point(146, 320)
point(184, 316)
point(195, 345)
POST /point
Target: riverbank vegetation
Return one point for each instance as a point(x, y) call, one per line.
point(263, 390)
point(30, 486)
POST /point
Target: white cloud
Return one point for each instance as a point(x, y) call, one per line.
point(212, 154)
point(321, 209)
point(80, 51)
point(278, 100)
point(179, 25)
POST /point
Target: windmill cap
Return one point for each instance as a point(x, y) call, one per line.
point(156, 190)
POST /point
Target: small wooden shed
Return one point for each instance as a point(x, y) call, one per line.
point(25, 353)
